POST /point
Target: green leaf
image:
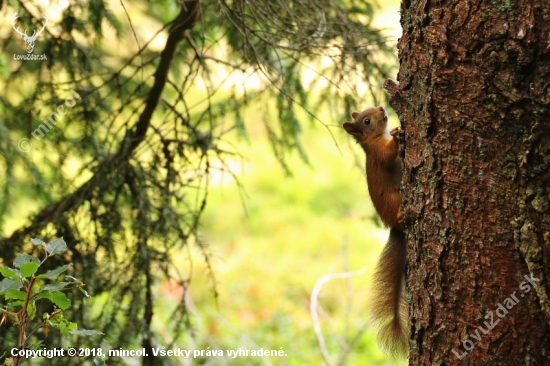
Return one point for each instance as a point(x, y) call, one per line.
point(15, 294)
point(30, 309)
point(22, 259)
point(8, 273)
point(37, 242)
point(99, 362)
point(57, 246)
point(44, 295)
point(60, 299)
point(54, 273)
point(63, 329)
point(87, 332)
point(66, 327)
point(54, 286)
point(28, 269)
point(16, 303)
point(8, 284)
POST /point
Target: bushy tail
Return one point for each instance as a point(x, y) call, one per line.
point(389, 310)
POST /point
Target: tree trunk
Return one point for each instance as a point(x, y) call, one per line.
point(474, 101)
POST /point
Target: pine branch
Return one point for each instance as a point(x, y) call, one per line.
point(54, 213)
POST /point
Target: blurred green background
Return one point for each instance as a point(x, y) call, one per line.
point(275, 237)
point(271, 234)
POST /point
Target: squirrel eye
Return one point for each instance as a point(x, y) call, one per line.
point(367, 121)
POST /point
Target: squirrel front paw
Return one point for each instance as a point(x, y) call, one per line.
point(395, 131)
point(400, 218)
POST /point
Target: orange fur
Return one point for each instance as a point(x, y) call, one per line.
point(389, 309)
point(383, 179)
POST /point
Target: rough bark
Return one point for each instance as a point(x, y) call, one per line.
point(474, 100)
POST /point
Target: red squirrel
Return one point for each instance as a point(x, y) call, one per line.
point(370, 129)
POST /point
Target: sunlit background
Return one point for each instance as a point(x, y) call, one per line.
point(272, 233)
point(273, 236)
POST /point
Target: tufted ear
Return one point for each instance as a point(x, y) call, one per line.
point(354, 114)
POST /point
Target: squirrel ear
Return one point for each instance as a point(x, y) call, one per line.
point(351, 128)
point(354, 114)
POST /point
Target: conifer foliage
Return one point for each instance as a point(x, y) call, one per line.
point(112, 136)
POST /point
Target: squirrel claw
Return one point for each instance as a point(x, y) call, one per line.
point(395, 131)
point(400, 218)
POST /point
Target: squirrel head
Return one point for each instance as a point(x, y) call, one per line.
point(370, 123)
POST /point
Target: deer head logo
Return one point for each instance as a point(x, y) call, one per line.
point(29, 40)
